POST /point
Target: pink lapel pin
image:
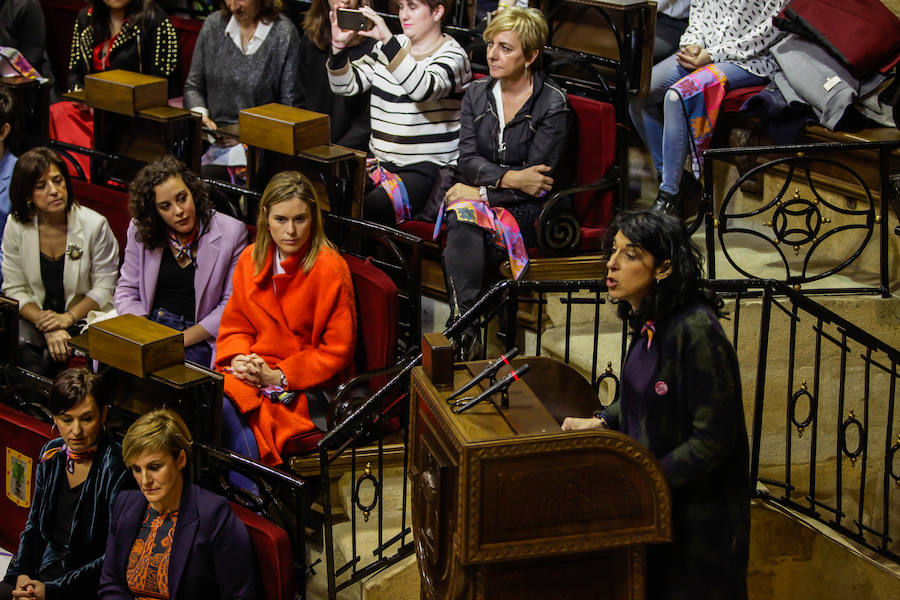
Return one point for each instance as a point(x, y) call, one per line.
point(661, 388)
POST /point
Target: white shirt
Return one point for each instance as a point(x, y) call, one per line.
point(233, 30)
point(501, 117)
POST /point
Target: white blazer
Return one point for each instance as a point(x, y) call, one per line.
point(93, 273)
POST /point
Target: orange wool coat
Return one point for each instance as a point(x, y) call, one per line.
point(307, 329)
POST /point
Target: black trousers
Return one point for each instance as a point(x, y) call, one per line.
point(472, 260)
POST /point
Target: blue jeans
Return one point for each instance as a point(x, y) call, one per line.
point(660, 120)
point(238, 437)
point(200, 353)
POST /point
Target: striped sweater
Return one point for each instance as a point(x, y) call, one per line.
point(415, 103)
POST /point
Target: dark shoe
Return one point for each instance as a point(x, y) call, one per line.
point(691, 193)
point(666, 202)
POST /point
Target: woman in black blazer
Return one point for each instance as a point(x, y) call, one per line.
point(172, 539)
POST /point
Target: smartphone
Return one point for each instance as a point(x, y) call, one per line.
point(353, 20)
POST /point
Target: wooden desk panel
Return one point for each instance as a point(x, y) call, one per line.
point(497, 489)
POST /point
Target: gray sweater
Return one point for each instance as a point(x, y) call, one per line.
point(225, 81)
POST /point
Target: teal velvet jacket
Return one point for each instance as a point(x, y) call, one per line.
point(83, 558)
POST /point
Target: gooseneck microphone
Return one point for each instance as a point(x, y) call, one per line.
point(488, 371)
point(499, 386)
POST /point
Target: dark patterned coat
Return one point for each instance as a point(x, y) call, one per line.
point(83, 558)
point(682, 399)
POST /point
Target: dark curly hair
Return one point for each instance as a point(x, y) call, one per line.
point(665, 238)
point(152, 231)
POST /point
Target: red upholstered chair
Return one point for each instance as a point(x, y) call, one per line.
point(595, 178)
point(187, 31)
point(735, 98)
point(376, 342)
point(109, 202)
point(23, 437)
point(274, 558)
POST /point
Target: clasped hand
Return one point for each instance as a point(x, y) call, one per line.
point(28, 588)
point(254, 370)
point(57, 344)
point(692, 57)
point(461, 191)
point(49, 320)
point(533, 180)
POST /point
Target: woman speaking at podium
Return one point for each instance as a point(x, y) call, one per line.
point(681, 397)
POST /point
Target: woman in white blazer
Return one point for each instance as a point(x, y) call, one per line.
point(60, 260)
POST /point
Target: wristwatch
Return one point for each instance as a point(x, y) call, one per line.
point(283, 380)
point(482, 191)
point(597, 414)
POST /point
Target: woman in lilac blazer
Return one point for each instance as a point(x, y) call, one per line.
point(179, 256)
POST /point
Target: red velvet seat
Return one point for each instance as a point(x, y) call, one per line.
point(596, 123)
point(274, 558)
point(23, 437)
point(376, 334)
point(109, 202)
point(734, 99)
point(187, 31)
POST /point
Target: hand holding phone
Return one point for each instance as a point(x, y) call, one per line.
point(352, 19)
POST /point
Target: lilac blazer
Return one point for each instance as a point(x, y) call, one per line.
point(217, 254)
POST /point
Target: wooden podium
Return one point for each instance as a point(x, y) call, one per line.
point(508, 506)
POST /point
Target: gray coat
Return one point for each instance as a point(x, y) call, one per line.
point(226, 81)
point(810, 75)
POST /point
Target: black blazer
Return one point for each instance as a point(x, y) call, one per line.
point(87, 541)
point(536, 135)
point(212, 556)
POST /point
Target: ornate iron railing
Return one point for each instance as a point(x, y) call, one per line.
point(832, 450)
point(824, 237)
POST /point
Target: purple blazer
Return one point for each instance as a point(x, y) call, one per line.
point(211, 557)
point(217, 254)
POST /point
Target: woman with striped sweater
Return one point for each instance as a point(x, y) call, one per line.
point(417, 80)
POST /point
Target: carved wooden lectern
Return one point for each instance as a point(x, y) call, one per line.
point(506, 505)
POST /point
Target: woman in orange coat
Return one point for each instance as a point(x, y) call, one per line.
point(289, 326)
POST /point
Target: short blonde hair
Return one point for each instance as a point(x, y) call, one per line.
point(285, 186)
point(160, 430)
point(528, 24)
